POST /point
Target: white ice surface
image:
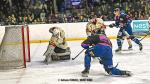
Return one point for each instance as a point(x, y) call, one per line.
point(39, 73)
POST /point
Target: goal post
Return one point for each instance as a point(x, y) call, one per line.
point(25, 34)
point(15, 47)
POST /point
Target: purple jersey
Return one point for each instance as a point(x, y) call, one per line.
point(96, 39)
point(122, 20)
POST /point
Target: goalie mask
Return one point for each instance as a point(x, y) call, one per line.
point(55, 31)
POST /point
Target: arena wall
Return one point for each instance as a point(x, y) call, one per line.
point(74, 31)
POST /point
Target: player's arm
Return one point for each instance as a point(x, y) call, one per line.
point(87, 43)
point(116, 24)
point(128, 18)
point(113, 25)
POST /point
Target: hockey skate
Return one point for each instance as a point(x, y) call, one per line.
point(85, 73)
point(130, 47)
point(126, 73)
point(123, 73)
point(117, 50)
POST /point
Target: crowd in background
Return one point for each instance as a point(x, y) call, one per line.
point(14, 12)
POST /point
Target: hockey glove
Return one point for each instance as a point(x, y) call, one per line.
point(90, 52)
point(111, 25)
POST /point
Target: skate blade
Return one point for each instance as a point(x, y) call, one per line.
point(130, 49)
point(129, 73)
point(127, 50)
point(84, 75)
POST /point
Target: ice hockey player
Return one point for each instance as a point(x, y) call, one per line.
point(123, 21)
point(57, 48)
point(93, 24)
point(98, 45)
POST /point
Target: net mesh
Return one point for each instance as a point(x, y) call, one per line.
point(11, 48)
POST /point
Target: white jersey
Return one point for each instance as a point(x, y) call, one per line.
point(58, 38)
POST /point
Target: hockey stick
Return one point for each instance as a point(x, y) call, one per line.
point(143, 37)
point(78, 54)
point(100, 60)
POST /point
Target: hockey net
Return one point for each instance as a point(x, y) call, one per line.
point(15, 47)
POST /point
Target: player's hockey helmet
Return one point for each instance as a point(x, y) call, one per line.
point(94, 20)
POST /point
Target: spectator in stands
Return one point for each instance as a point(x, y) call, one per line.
point(35, 22)
point(64, 18)
point(94, 7)
point(13, 19)
point(55, 18)
point(20, 20)
point(42, 15)
point(9, 20)
point(29, 19)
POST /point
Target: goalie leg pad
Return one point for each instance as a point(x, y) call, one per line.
point(48, 54)
point(62, 56)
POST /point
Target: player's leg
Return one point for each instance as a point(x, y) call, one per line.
point(133, 38)
point(96, 51)
point(129, 43)
point(128, 40)
point(108, 65)
point(87, 64)
point(120, 40)
point(105, 53)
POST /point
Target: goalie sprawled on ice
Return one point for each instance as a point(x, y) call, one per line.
point(57, 48)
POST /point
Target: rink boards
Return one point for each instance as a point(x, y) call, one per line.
point(74, 31)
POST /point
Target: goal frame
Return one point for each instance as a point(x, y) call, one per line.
point(25, 55)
